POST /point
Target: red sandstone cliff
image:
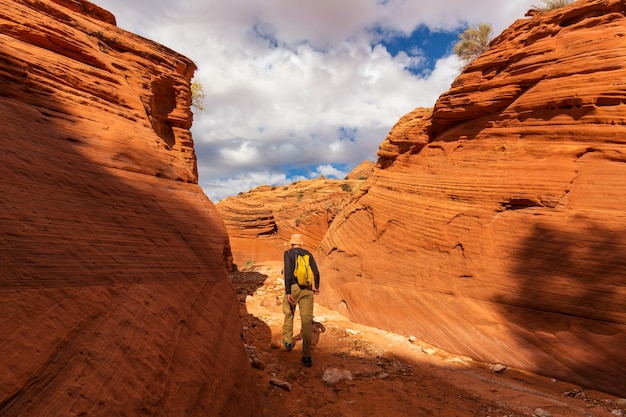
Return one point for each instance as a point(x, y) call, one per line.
point(114, 293)
point(494, 226)
point(261, 221)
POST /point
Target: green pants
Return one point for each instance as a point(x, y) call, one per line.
point(304, 301)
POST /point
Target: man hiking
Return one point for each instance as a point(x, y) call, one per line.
point(299, 294)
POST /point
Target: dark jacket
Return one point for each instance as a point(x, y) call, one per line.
point(289, 264)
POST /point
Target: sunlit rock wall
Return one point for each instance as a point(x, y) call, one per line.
point(495, 224)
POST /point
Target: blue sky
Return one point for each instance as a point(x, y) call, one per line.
point(431, 45)
point(296, 89)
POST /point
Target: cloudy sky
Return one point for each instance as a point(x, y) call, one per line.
point(296, 89)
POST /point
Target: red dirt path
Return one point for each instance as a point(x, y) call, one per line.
point(391, 376)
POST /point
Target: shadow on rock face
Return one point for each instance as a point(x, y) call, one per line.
point(572, 293)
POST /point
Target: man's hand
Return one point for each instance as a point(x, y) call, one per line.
point(290, 299)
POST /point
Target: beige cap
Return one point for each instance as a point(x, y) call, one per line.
point(296, 239)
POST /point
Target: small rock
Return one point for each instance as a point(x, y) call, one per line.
point(275, 344)
point(272, 368)
point(352, 332)
point(292, 373)
point(256, 362)
point(498, 368)
point(573, 393)
point(412, 339)
point(333, 375)
point(429, 351)
point(540, 412)
point(617, 413)
point(270, 302)
point(281, 384)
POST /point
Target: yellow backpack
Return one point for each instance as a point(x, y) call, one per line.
point(303, 271)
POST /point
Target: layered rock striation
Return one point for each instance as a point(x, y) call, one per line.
point(261, 221)
point(494, 225)
point(114, 292)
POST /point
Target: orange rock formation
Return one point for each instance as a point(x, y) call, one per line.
point(114, 292)
point(261, 221)
point(494, 226)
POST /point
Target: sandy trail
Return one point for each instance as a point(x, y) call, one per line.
point(362, 371)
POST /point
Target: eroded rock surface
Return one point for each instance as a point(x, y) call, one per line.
point(114, 292)
point(495, 226)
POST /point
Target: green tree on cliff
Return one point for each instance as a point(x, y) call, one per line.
point(473, 42)
point(197, 95)
point(547, 5)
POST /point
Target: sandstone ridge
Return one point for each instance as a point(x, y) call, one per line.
point(261, 221)
point(114, 292)
point(494, 224)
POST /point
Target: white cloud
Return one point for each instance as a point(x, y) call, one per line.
point(298, 83)
point(225, 187)
point(450, 14)
point(331, 172)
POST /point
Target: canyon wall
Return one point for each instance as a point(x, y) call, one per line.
point(115, 298)
point(494, 225)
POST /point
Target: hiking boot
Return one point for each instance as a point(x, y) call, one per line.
point(308, 362)
point(288, 346)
